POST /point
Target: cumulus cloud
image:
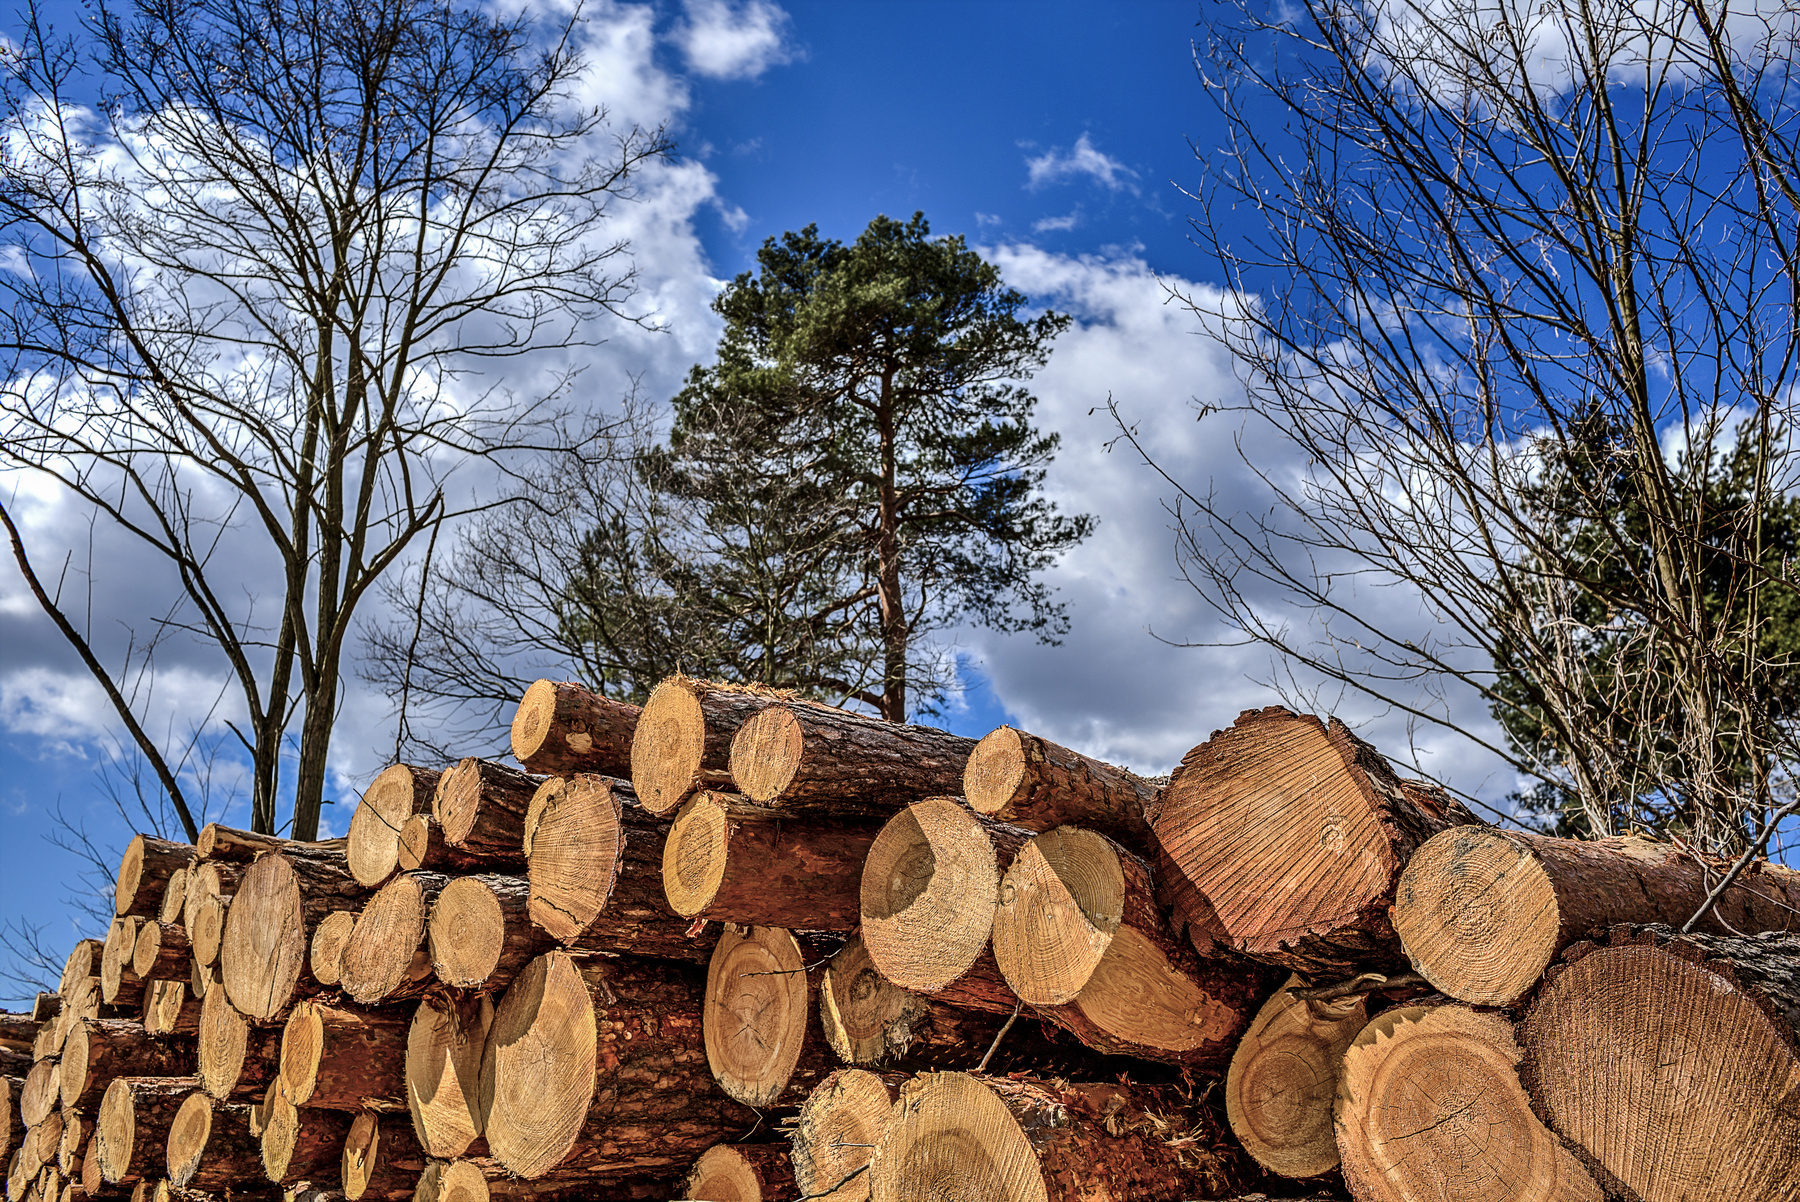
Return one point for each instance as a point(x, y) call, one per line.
point(733, 41)
point(1084, 159)
point(1049, 225)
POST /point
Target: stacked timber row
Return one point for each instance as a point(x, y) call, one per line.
point(739, 945)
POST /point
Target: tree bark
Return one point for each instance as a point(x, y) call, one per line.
point(1482, 913)
point(372, 848)
point(120, 984)
point(1283, 1081)
point(800, 755)
point(338, 1059)
point(210, 1146)
point(97, 1050)
point(144, 873)
point(481, 933)
point(1297, 831)
point(262, 953)
point(482, 806)
point(131, 1130)
point(763, 1039)
point(483, 1179)
point(385, 959)
point(1031, 782)
point(12, 1123)
point(237, 1060)
point(423, 847)
point(18, 1032)
point(560, 729)
point(444, 1044)
point(683, 738)
point(381, 1161)
point(729, 861)
point(241, 847)
point(741, 1173)
point(837, 1131)
point(302, 1144)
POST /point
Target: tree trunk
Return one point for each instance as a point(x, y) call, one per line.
point(1482, 912)
point(302, 1145)
point(210, 1146)
point(561, 729)
point(481, 933)
point(131, 1131)
point(683, 738)
point(337, 1059)
point(120, 984)
point(741, 1173)
point(837, 1131)
point(1297, 833)
point(372, 849)
point(733, 862)
point(1671, 1062)
point(237, 1060)
point(76, 1131)
point(1031, 782)
point(385, 959)
point(283, 895)
point(602, 1068)
point(1283, 1081)
point(97, 1050)
point(168, 1010)
point(331, 936)
point(484, 1179)
point(763, 1039)
point(144, 873)
point(801, 755)
point(444, 1045)
point(161, 952)
point(482, 807)
point(1016, 1139)
point(381, 1161)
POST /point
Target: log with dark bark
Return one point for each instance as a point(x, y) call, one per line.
point(18, 1032)
point(802, 755)
point(385, 959)
point(481, 934)
point(372, 848)
point(1297, 832)
point(210, 1146)
point(45, 1007)
point(1482, 913)
point(233, 846)
point(955, 1137)
point(481, 805)
point(763, 1039)
point(302, 1144)
point(340, 1059)
point(262, 953)
point(560, 729)
point(423, 847)
point(96, 1050)
point(1673, 1062)
point(120, 984)
point(12, 1124)
point(144, 873)
point(168, 1010)
point(325, 955)
point(836, 1133)
point(683, 739)
point(601, 1068)
point(741, 1173)
point(131, 1129)
point(381, 1161)
point(1283, 1081)
point(161, 952)
point(484, 1179)
point(237, 1060)
point(731, 861)
point(1019, 778)
point(444, 1044)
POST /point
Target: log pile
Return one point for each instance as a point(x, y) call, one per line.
point(738, 945)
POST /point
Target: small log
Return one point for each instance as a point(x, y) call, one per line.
point(201, 978)
point(77, 1128)
point(281, 897)
point(302, 1145)
point(338, 1059)
point(168, 1010)
point(929, 889)
point(45, 1007)
point(803, 755)
point(48, 1043)
point(837, 1131)
point(1297, 833)
point(385, 959)
point(210, 1145)
point(161, 951)
point(206, 931)
point(174, 898)
point(144, 873)
point(1283, 1081)
point(481, 934)
point(683, 738)
point(120, 984)
point(423, 847)
point(237, 1060)
point(42, 1091)
point(131, 1130)
point(763, 1039)
point(444, 1045)
point(1018, 1139)
point(1031, 782)
point(209, 879)
point(372, 848)
point(1482, 912)
point(381, 1160)
point(554, 1100)
point(730, 861)
point(484, 1179)
point(1671, 1062)
point(741, 1173)
point(233, 846)
point(83, 962)
point(330, 937)
point(18, 1032)
point(482, 806)
point(97, 1050)
point(12, 1123)
point(560, 729)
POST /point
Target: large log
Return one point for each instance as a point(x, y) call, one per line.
point(1297, 832)
point(131, 1130)
point(97, 1050)
point(481, 934)
point(957, 1137)
point(596, 872)
point(836, 1133)
point(210, 1146)
point(339, 1059)
point(732, 861)
point(444, 1045)
point(683, 738)
point(381, 1161)
point(741, 1173)
point(601, 1068)
point(1673, 1062)
point(262, 953)
point(120, 984)
point(482, 806)
point(237, 1060)
point(763, 1040)
point(161, 952)
point(1027, 781)
point(372, 848)
point(802, 755)
point(385, 959)
point(560, 729)
point(144, 873)
point(1482, 913)
point(1283, 1081)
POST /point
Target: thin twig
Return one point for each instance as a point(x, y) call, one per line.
point(1005, 1027)
point(1743, 861)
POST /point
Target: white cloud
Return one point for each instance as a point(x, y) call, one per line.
point(726, 41)
point(1046, 225)
point(1055, 167)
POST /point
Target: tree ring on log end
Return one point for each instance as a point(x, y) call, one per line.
point(668, 745)
point(115, 1129)
point(329, 940)
point(531, 725)
point(1282, 1080)
point(572, 847)
point(766, 752)
point(995, 770)
point(1060, 904)
point(302, 1044)
point(264, 942)
point(1135, 993)
point(695, 853)
point(457, 803)
point(929, 887)
point(953, 1140)
point(1477, 915)
point(754, 1020)
point(538, 1071)
point(867, 1018)
point(224, 1041)
point(187, 1137)
point(468, 932)
point(444, 1047)
point(721, 1172)
point(372, 850)
point(839, 1125)
point(385, 941)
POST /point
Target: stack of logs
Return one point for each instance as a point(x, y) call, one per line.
point(741, 946)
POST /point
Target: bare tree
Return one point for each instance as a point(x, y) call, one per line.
point(250, 300)
point(1492, 245)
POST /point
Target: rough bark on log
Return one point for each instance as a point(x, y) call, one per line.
point(837, 1131)
point(956, 1137)
point(372, 848)
point(238, 847)
point(1296, 832)
point(210, 1145)
point(1482, 913)
point(483, 1179)
point(18, 1032)
point(560, 729)
point(45, 1007)
point(731, 861)
point(482, 806)
point(423, 847)
point(741, 1173)
point(381, 1160)
point(1283, 1081)
point(385, 959)
point(237, 1060)
point(763, 1039)
point(120, 984)
point(1672, 1062)
point(168, 1010)
point(131, 1130)
point(12, 1124)
point(481, 934)
point(1031, 782)
point(683, 738)
point(96, 1050)
point(596, 872)
point(338, 1059)
point(326, 954)
point(444, 1045)
point(802, 755)
point(302, 1145)
point(83, 962)
point(144, 873)
point(262, 953)
point(601, 1068)
point(161, 952)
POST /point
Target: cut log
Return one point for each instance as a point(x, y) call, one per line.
point(734, 862)
point(955, 1137)
point(763, 1039)
point(929, 888)
point(302, 1144)
point(483, 1179)
point(209, 879)
point(144, 873)
point(802, 755)
point(76, 1130)
point(239, 847)
point(601, 1068)
point(1297, 833)
point(49, 1040)
point(741, 1173)
point(1031, 782)
point(41, 1093)
point(385, 959)
point(207, 930)
point(561, 729)
point(168, 1010)
point(596, 872)
point(12, 1124)
point(18, 1032)
point(1482, 913)
point(482, 807)
point(120, 984)
point(1283, 1081)
point(237, 1061)
point(423, 847)
point(283, 895)
point(1673, 1062)
point(444, 1045)
point(330, 937)
point(1429, 1105)
point(161, 951)
point(174, 897)
point(372, 849)
point(339, 1059)
point(210, 1145)
point(201, 978)
point(131, 1130)
point(381, 1160)
point(83, 962)
point(837, 1131)
point(481, 934)
point(97, 1050)
point(45, 1007)
point(683, 738)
